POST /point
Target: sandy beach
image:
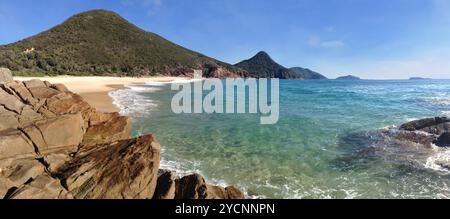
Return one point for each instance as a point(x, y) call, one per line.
point(95, 89)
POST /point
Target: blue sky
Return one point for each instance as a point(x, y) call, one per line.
point(369, 38)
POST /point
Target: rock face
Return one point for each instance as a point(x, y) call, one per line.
point(53, 145)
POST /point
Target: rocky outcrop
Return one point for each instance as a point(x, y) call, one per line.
point(427, 131)
point(55, 145)
point(192, 187)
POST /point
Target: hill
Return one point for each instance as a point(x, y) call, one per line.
point(348, 77)
point(101, 42)
point(307, 74)
point(263, 66)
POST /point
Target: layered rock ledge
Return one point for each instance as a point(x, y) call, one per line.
point(54, 145)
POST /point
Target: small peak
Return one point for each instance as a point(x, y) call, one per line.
point(262, 54)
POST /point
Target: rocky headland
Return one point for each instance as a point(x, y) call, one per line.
point(54, 145)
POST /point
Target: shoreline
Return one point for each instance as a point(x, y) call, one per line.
point(96, 90)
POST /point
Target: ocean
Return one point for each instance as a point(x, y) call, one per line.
point(325, 144)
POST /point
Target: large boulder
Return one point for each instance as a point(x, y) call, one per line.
point(126, 169)
point(5, 75)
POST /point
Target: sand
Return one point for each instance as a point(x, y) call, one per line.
point(95, 90)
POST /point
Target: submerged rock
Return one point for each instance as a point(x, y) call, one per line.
point(53, 144)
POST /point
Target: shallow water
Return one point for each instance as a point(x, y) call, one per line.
point(325, 144)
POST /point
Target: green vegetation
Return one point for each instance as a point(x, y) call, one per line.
point(101, 42)
point(263, 66)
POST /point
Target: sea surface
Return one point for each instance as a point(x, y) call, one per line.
point(325, 144)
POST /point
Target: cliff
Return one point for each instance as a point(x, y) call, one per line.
point(55, 145)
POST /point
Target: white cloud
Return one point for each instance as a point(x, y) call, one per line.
point(328, 44)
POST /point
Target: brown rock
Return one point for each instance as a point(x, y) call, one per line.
point(216, 192)
point(191, 187)
point(166, 185)
point(34, 83)
point(60, 87)
point(14, 143)
point(126, 169)
point(43, 92)
point(43, 187)
point(16, 172)
point(56, 161)
point(234, 193)
point(117, 128)
point(67, 103)
point(10, 102)
point(5, 75)
point(29, 116)
point(57, 133)
point(21, 91)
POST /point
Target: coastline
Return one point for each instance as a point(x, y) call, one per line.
point(96, 90)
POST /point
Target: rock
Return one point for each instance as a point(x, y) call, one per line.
point(28, 116)
point(234, 193)
point(56, 161)
point(43, 187)
point(10, 102)
point(117, 128)
point(216, 192)
point(35, 83)
point(166, 185)
point(422, 138)
point(60, 132)
point(60, 87)
point(16, 172)
point(43, 92)
point(443, 140)
point(191, 187)
point(21, 91)
point(436, 125)
point(13, 143)
point(126, 169)
point(9, 122)
point(67, 103)
point(5, 75)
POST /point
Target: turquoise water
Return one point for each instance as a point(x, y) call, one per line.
point(324, 146)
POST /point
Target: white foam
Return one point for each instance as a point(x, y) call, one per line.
point(180, 81)
point(440, 155)
point(132, 103)
point(446, 113)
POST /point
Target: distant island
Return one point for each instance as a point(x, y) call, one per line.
point(348, 77)
point(419, 78)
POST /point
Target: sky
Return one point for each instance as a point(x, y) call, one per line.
point(373, 39)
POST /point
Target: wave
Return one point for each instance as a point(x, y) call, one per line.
point(132, 103)
point(158, 84)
